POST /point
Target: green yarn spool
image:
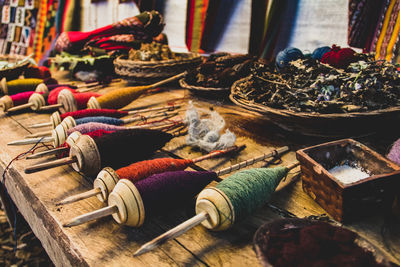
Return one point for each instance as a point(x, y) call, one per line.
point(21, 85)
point(250, 189)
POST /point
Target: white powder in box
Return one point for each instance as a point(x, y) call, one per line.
point(347, 174)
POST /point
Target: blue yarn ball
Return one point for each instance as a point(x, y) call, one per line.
point(285, 56)
point(319, 52)
point(100, 119)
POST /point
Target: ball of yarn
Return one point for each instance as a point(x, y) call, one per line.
point(319, 52)
point(394, 154)
point(287, 55)
point(339, 58)
point(41, 72)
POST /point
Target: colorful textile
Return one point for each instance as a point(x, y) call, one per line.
point(143, 27)
point(386, 40)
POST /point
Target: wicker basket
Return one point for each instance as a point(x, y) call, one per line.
point(322, 125)
point(200, 90)
point(13, 72)
point(153, 71)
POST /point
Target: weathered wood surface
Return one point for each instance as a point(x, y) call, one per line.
point(106, 243)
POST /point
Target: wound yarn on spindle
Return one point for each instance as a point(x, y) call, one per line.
point(121, 148)
point(100, 119)
point(120, 98)
point(82, 98)
point(140, 170)
point(94, 113)
point(22, 85)
point(205, 133)
point(164, 191)
point(93, 126)
point(53, 95)
point(250, 189)
point(394, 153)
point(54, 86)
point(21, 98)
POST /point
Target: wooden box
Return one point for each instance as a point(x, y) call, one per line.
point(345, 202)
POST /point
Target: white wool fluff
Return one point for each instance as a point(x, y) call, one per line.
point(205, 133)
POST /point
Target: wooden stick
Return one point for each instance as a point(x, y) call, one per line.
point(48, 107)
point(157, 84)
point(174, 232)
point(96, 214)
point(139, 118)
point(217, 153)
point(20, 107)
point(84, 195)
point(51, 164)
point(252, 161)
point(39, 125)
point(48, 152)
point(30, 141)
point(39, 134)
point(132, 112)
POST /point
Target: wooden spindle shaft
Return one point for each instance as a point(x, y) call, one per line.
point(84, 195)
point(30, 141)
point(252, 161)
point(58, 150)
point(216, 153)
point(55, 106)
point(94, 215)
point(49, 165)
point(174, 232)
point(20, 107)
point(39, 125)
point(132, 112)
point(39, 134)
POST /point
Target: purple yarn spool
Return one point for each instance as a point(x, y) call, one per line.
point(161, 192)
point(100, 119)
point(94, 126)
point(394, 154)
point(121, 148)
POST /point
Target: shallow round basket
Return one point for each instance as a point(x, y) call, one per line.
point(15, 71)
point(153, 71)
point(320, 124)
point(261, 239)
point(205, 91)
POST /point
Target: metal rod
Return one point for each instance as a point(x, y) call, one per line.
point(84, 195)
point(51, 164)
point(94, 215)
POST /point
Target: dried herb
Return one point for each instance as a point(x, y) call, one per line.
point(309, 86)
point(220, 70)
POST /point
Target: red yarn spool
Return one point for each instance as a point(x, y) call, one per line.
point(82, 98)
point(41, 72)
point(143, 169)
point(339, 58)
point(21, 98)
point(95, 113)
point(53, 95)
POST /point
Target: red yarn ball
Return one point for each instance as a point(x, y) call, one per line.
point(339, 58)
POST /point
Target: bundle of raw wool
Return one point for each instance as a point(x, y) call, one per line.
point(206, 133)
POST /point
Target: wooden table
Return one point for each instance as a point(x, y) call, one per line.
point(106, 243)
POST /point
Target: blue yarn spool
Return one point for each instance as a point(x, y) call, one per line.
point(319, 52)
point(100, 119)
point(285, 56)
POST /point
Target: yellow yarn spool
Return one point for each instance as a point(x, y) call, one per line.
point(18, 86)
point(120, 98)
